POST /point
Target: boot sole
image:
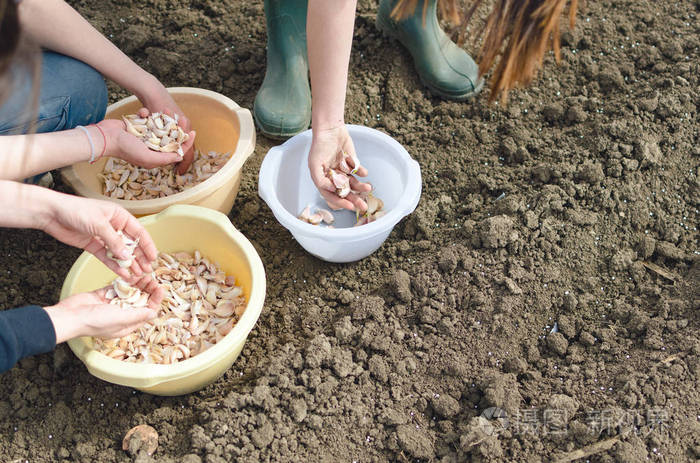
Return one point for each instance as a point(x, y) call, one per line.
point(276, 133)
point(388, 31)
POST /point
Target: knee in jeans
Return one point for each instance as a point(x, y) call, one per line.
point(91, 97)
point(87, 92)
point(98, 89)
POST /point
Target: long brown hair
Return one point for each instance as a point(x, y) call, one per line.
point(528, 28)
point(19, 57)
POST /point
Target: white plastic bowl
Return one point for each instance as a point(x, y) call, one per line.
point(285, 185)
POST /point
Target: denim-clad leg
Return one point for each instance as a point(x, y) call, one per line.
point(71, 94)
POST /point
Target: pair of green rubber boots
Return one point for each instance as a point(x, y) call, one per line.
point(282, 106)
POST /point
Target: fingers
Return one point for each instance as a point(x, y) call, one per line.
point(156, 297)
point(140, 314)
point(146, 245)
point(143, 255)
point(184, 122)
point(112, 241)
point(188, 149)
point(348, 151)
point(134, 326)
point(362, 172)
point(125, 273)
point(100, 293)
point(325, 185)
point(127, 320)
point(145, 283)
point(358, 204)
point(136, 269)
point(186, 161)
point(320, 180)
point(356, 185)
point(148, 285)
point(97, 249)
point(143, 261)
point(335, 202)
point(189, 143)
point(158, 158)
point(337, 142)
point(134, 151)
point(352, 160)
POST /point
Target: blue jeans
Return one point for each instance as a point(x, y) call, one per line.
point(71, 93)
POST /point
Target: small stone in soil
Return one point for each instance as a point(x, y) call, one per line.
point(141, 437)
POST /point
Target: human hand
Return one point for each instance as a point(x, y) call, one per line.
point(325, 146)
point(123, 145)
point(92, 225)
point(90, 314)
point(156, 98)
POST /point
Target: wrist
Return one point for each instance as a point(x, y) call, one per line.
point(25, 206)
point(97, 143)
point(109, 131)
point(147, 85)
point(328, 116)
point(326, 124)
point(65, 324)
point(37, 205)
point(99, 140)
point(94, 143)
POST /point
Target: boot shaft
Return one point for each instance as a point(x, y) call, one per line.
point(286, 24)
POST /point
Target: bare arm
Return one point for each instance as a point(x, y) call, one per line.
point(91, 225)
point(329, 30)
point(53, 24)
point(88, 224)
point(24, 206)
point(22, 156)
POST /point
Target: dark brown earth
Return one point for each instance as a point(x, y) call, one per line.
point(550, 271)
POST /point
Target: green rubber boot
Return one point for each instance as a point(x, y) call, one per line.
point(442, 66)
point(282, 106)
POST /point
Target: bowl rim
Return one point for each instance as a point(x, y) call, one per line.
point(146, 375)
point(406, 205)
point(244, 149)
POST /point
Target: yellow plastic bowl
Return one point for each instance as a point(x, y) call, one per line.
point(178, 228)
point(221, 126)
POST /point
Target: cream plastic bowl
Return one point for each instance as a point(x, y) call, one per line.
point(221, 126)
point(179, 228)
point(285, 185)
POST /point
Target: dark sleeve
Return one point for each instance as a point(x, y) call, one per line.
point(23, 332)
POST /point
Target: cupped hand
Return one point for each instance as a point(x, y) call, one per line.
point(90, 314)
point(123, 145)
point(325, 146)
point(156, 98)
point(92, 225)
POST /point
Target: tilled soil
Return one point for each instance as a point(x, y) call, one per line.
point(542, 299)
